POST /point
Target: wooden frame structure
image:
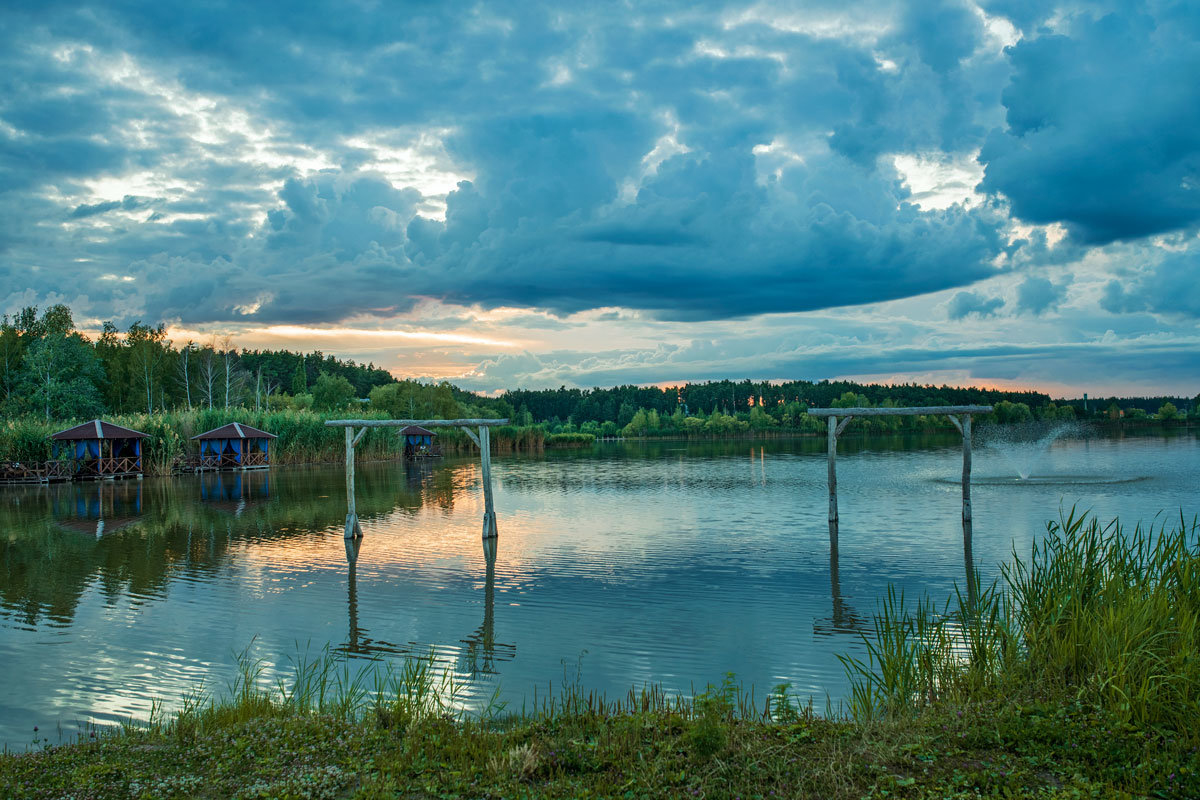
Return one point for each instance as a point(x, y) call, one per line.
point(231, 447)
point(100, 450)
point(959, 415)
point(483, 440)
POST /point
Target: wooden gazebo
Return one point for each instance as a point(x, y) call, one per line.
point(234, 446)
point(418, 442)
point(100, 449)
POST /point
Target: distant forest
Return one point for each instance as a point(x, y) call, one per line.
point(51, 370)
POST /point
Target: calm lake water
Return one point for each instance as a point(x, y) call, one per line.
point(668, 563)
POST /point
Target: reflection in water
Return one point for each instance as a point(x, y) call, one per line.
point(666, 562)
point(233, 492)
point(482, 651)
point(844, 618)
point(353, 545)
point(98, 507)
point(969, 561)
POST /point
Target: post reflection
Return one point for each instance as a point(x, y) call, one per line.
point(482, 651)
point(844, 618)
point(353, 545)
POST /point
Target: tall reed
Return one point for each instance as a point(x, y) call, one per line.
point(1095, 613)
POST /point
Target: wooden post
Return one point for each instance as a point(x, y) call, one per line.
point(969, 560)
point(832, 446)
point(485, 453)
point(966, 475)
point(352, 528)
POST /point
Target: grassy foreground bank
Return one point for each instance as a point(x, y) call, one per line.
point(1077, 675)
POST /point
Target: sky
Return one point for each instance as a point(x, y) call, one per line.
point(503, 195)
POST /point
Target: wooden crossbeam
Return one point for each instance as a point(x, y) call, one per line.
point(483, 440)
point(470, 433)
point(902, 411)
point(960, 416)
point(404, 423)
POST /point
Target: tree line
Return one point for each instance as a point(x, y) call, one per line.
point(50, 369)
point(738, 398)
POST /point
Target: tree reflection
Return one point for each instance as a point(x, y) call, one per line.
point(135, 537)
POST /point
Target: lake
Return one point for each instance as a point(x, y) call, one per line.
point(670, 563)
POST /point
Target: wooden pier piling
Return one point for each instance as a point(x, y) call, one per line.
point(353, 529)
point(960, 416)
point(482, 439)
point(831, 446)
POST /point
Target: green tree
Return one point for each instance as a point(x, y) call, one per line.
point(1007, 412)
point(414, 400)
point(1168, 411)
point(60, 377)
point(299, 379)
point(637, 424)
point(149, 349)
point(12, 350)
point(332, 392)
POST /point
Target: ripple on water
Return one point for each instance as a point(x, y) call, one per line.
point(622, 567)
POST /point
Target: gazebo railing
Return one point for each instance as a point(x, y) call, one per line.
point(113, 466)
point(255, 458)
point(202, 461)
point(23, 471)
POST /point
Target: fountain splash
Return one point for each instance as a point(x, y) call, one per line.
point(1024, 445)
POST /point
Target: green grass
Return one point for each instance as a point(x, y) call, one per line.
point(1107, 616)
point(1072, 676)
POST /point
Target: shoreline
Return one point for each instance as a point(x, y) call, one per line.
point(1023, 715)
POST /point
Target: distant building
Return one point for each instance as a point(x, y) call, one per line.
point(234, 446)
point(100, 449)
point(418, 442)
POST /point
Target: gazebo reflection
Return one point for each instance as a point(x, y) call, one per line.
point(234, 492)
point(97, 508)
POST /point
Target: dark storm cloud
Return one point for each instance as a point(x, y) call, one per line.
point(763, 358)
point(546, 220)
point(1172, 286)
point(695, 162)
point(1103, 124)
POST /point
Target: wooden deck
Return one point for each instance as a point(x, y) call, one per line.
point(65, 470)
point(222, 463)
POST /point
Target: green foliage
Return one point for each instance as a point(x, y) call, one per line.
point(328, 731)
point(1168, 411)
point(413, 400)
point(59, 378)
point(332, 392)
point(299, 379)
point(570, 440)
point(1006, 412)
point(1095, 614)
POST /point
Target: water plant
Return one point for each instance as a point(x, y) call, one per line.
point(1105, 616)
point(1073, 675)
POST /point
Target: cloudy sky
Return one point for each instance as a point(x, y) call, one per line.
point(1003, 192)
